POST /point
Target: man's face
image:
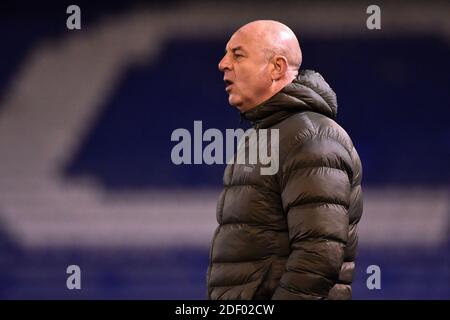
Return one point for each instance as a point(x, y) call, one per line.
point(246, 72)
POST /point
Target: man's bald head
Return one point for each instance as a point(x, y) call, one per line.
point(260, 59)
point(274, 38)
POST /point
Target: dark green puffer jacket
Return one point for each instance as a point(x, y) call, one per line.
point(292, 235)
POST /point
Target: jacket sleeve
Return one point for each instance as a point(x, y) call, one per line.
point(315, 183)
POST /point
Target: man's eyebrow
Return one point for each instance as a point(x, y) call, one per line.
point(235, 49)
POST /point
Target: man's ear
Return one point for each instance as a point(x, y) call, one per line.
point(280, 67)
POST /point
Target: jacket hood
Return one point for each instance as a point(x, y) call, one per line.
point(307, 92)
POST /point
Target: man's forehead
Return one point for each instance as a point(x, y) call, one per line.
point(239, 41)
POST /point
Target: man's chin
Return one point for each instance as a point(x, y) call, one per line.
point(238, 104)
point(234, 103)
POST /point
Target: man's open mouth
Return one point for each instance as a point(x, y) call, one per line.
point(228, 83)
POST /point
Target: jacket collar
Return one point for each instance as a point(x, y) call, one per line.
point(307, 92)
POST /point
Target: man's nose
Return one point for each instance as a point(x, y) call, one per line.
point(224, 64)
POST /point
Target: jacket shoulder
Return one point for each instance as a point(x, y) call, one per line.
point(304, 126)
point(312, 139)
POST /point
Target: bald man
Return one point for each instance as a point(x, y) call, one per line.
point(293, 234)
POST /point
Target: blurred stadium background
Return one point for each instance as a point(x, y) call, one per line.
point(86, 118)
